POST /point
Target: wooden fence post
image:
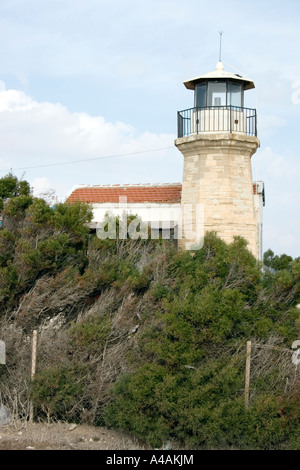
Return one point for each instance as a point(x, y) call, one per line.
point(33, 355)
point(33, 367)
point(2, 353)
point(247, 374)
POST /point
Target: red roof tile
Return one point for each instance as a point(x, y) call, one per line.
point(161, 193)
point(138, 193)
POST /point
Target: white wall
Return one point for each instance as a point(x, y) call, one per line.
point(156, 213)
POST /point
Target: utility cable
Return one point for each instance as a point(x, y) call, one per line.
point(86, 160)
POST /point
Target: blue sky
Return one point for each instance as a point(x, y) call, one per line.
point(90, 79)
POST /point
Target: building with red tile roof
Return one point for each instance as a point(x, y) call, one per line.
point(158, 205)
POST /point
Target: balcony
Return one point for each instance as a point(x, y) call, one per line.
point(212, 119)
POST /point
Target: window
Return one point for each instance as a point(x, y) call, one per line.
point(200, 95)
point(216, 94)
point(234, 94)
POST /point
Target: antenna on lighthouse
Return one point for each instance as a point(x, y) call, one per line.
point(220, 49)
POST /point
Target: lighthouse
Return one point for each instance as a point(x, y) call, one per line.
point(217, 138)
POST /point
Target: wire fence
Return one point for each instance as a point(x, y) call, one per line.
point(271, 369)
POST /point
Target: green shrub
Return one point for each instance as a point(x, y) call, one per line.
point(200, 409)
point(137, 394)
point(91, 334)
point(56, 391)
point(191, 386)
point(178, 321)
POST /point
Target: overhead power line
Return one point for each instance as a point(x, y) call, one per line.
point(86, 159)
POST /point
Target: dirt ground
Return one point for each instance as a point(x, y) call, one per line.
point(62, 436)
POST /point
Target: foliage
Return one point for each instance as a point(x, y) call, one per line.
point(11, 187)
point(138, 335)
point(55, 390)
point(201, 408)
point(277, 263)
point(193, 376)
point(91, 334)
point(37, 239)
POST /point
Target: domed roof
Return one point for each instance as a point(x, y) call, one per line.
point(219, 73)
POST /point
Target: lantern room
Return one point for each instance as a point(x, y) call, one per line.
point(218, 105)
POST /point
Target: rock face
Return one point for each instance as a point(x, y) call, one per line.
point(5, 415)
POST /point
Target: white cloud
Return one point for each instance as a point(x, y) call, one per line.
point(47, 129)
point(36, 134)
point(13, 100)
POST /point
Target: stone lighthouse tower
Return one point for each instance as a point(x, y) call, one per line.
point(217, 138)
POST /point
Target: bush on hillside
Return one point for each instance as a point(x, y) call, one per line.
point(136, 335)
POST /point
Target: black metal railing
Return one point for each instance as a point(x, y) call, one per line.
point(217, 119)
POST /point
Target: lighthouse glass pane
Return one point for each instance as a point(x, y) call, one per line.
point(216, 94)
point(200, 95)
point(234, 94)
